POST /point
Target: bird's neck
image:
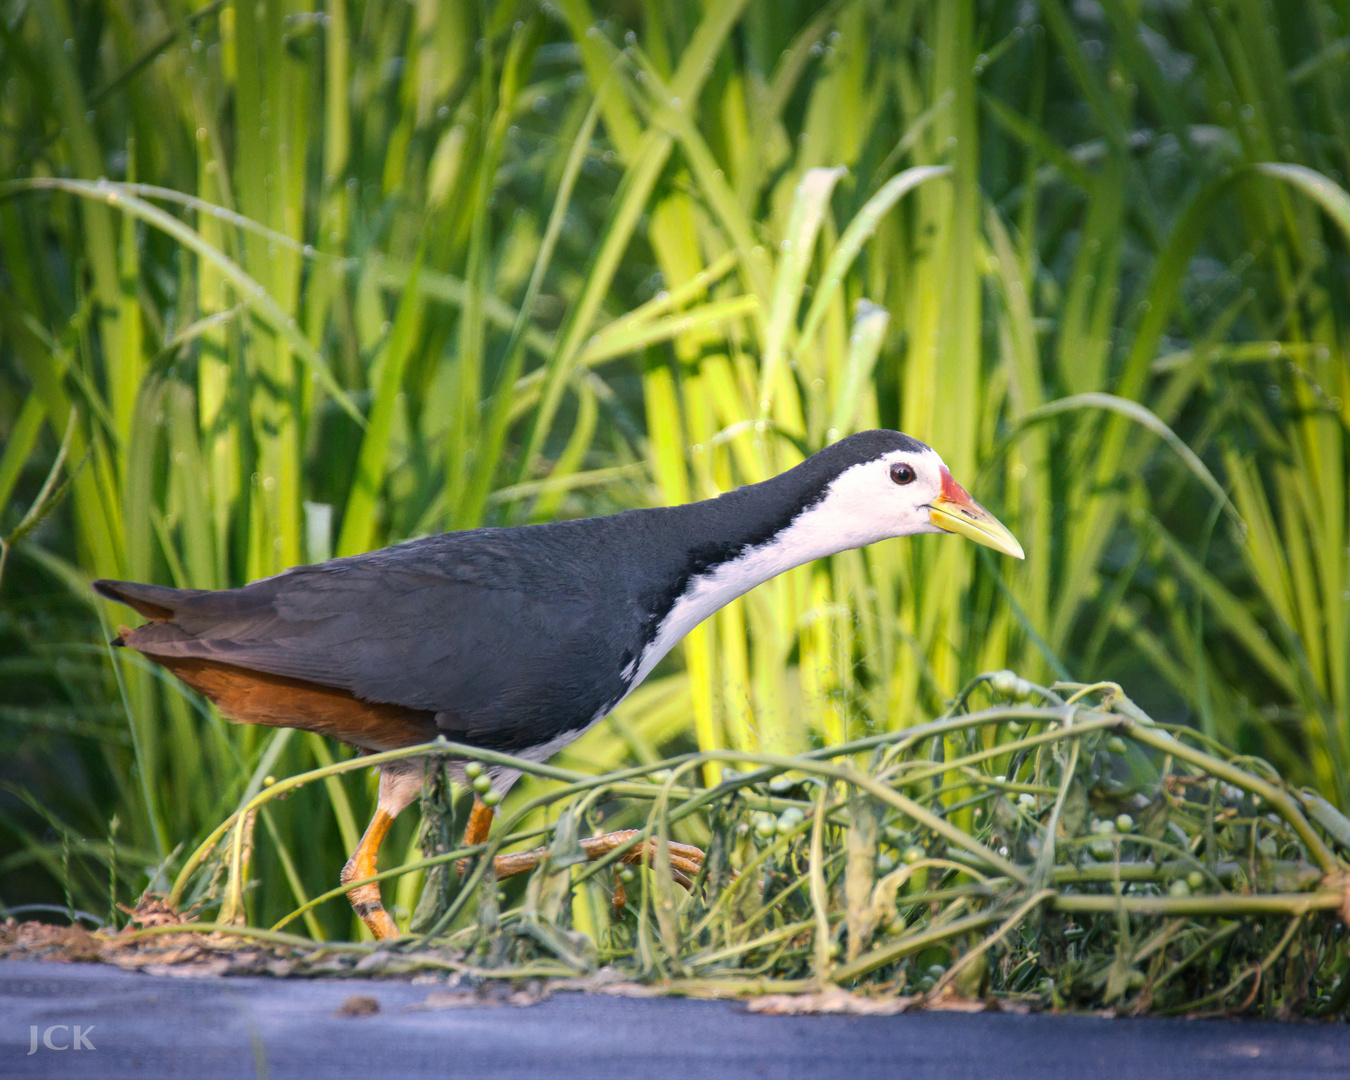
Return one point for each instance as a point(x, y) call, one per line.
point(734, 543)
point(767, 549)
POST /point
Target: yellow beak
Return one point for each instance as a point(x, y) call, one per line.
point(954, 511)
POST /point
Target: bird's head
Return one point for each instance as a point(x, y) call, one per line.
point(886, 484)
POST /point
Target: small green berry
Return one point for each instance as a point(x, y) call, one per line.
point(1124, 823)
point(1116, 745)
point(911, 855)
point(473, 770)
point(1179, 888)
point(627, 876)
point(1136, 980)
point(765, 825)
point(482, 783)
point(1195, 880)
point(1003, 682)
point(491, 798)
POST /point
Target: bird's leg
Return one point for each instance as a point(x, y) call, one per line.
point(685, 859)
point(365, 899)
point(400, 784)
point(476, 831)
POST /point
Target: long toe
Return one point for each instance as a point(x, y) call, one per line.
point(685, 859)
point(517, 862)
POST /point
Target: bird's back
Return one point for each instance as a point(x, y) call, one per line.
point(505, 638)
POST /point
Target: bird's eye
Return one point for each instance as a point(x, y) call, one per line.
point(902, 472)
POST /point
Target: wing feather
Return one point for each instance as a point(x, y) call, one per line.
point(503, 655)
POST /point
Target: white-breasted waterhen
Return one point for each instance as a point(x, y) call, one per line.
point(519, 639)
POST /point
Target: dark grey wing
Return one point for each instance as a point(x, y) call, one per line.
point(503, 666)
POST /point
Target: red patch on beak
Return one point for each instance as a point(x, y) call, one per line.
point(953, 491)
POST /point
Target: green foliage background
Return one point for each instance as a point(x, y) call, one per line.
point(284, 280)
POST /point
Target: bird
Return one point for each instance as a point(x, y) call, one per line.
point(519, 639)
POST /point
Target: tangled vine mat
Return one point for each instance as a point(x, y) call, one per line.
point(1056, 849)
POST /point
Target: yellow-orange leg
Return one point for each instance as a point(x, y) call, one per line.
point(400, 784)
point(476, 831)
point(365, 899)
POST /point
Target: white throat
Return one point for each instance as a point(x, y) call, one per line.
point(819, 531)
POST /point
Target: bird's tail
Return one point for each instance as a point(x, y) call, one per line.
point(155, 602)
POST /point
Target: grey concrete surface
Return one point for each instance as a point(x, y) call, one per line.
point(136, 1025)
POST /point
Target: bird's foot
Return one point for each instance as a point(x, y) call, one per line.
point(685, 859)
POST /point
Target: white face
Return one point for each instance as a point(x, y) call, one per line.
point(889, 496)
point(899, 494)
